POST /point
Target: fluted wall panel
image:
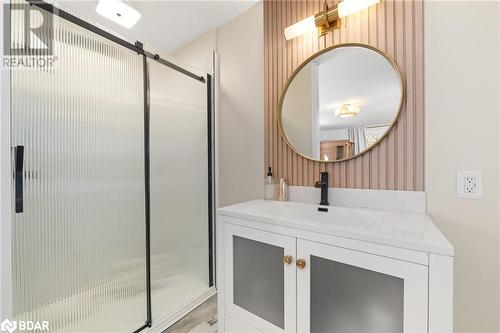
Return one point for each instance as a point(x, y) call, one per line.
point(395, 27)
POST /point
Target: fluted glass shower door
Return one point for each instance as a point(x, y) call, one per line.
point(79, 240)
point(180, 197)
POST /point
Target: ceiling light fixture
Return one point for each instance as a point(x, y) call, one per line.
point(328, 19)
point(347, 110)
point(119, 11)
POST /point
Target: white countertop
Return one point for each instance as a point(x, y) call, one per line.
point(400, 229)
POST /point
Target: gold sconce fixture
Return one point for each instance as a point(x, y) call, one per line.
point(328, 19)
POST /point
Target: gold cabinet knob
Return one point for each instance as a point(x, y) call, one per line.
point(287, 260)
point(301, 263)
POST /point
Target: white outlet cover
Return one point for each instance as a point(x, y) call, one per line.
point(470, 184)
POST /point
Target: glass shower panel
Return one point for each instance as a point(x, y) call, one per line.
point(79, 246)
point(179, 189)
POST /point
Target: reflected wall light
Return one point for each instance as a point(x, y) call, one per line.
point(328, 19)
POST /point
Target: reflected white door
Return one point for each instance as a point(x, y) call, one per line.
point(341, 290)
point(259, 284)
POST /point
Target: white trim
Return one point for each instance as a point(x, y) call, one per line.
point(214, 57)
point(408, 201)
point(215, 184)
point(235, 325)
point(440, 293)
point(167, 321)
point(216, 84)
point(220, 273)
point(5, 187)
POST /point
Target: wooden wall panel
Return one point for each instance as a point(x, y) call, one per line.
point(394, 26)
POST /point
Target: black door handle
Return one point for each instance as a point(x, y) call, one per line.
point(19, 178)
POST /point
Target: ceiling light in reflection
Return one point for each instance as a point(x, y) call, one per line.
point(347, 110)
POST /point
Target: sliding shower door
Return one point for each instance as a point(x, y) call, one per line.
point(79, 248)
point(179, 189)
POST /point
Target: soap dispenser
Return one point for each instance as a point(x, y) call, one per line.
point(269, 186)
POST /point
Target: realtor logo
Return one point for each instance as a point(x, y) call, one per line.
point(8, 326)
point(21, 325)
point(28, 30)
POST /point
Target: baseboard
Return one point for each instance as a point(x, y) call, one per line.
point(167, 321)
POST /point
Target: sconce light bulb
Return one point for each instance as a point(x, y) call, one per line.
point(348, 7)
point(300, 28)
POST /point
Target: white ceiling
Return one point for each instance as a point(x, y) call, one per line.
point(166, 25)
point(361, 76)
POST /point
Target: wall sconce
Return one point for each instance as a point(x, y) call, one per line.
point(328, 19)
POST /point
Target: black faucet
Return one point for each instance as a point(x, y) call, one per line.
point(323, 185)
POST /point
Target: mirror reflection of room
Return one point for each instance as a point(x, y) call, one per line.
point(341, 103)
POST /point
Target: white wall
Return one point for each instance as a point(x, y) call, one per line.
point(240, 48)
point(462, 133)
point(240, 45)
point(198, 53)
point(333, 135)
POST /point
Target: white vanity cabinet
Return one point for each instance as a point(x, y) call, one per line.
point(260, 288)
point(284, 267)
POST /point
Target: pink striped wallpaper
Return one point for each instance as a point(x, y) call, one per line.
point(395, 27)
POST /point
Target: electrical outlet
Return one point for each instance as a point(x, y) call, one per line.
point(469, 184)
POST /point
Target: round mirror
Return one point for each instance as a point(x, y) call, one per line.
point(340, 102)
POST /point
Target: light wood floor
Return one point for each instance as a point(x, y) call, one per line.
point(203, 319)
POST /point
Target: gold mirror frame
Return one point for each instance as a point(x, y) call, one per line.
point(317, 54)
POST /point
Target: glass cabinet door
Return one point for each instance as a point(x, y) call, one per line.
point(260, 278)
point(341, 291)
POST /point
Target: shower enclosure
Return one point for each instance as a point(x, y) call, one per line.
point(112, 183)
